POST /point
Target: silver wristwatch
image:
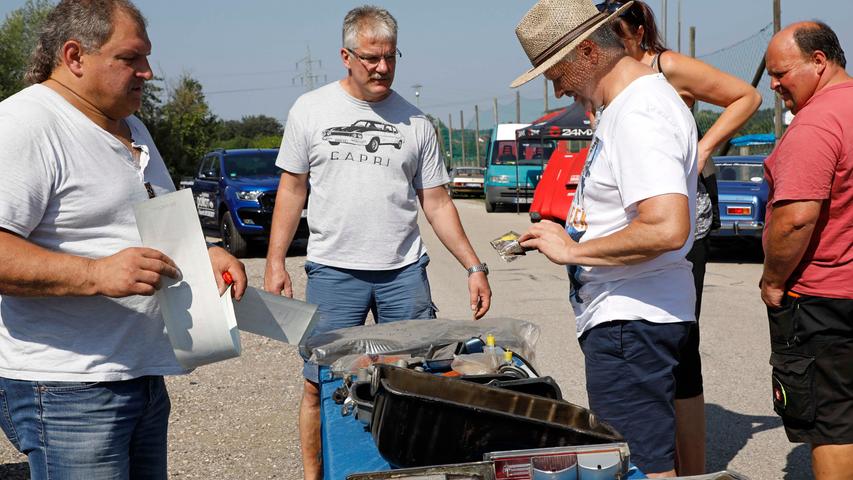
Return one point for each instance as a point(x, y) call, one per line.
point(478, 268)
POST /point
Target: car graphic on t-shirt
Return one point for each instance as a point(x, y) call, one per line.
point(367, 133)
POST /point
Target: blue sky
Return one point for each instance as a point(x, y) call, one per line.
point(461, 52)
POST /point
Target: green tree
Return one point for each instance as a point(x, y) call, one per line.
point(186, 128)
point(253, 131)
point(18, 35)
point(151, 112)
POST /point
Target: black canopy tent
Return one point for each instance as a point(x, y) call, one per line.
point(569, 123)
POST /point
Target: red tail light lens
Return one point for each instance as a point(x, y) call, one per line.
point(739, 210)
point(595, 461)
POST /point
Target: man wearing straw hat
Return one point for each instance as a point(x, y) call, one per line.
point(630, 225)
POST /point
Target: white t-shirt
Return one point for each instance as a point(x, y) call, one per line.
point(365, 162)
point(644, 146)
point(69, 186)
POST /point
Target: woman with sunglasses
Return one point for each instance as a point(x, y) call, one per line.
point(694, 81)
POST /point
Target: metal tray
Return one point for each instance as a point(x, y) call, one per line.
point(421, 419)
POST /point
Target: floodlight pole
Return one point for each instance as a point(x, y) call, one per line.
point(477, 135)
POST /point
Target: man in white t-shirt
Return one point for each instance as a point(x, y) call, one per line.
point(83, 347)
point(370, 157)
point(630, 225)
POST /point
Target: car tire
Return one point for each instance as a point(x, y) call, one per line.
point(231, 238)
point(490, 207)
point(398, 145)
point(373, 145)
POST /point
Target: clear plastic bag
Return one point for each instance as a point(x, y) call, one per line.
point(417, 338)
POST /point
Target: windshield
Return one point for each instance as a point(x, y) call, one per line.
point(740, 172)
point(260, 165)
point(534, 152)
point(503, 153)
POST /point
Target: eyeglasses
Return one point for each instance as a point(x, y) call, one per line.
point(372, 61)
point(632, 14)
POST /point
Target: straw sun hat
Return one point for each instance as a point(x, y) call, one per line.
point(552, 28)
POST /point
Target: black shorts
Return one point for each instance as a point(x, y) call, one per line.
point(811, 340)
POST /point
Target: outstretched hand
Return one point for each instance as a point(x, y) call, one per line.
point(551, 239)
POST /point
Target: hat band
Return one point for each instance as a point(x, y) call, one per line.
point(568, 38)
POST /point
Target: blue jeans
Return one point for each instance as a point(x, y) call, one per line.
point(88, 430)
point(344, 297)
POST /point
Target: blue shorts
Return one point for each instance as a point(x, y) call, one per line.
point(631, 385)
point(344, 297)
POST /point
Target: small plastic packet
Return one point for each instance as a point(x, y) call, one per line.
point(508, 247)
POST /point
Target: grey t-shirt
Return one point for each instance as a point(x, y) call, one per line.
point(365, 161)
point(69, 186)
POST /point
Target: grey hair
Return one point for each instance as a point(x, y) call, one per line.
point(606, 38)
point(370, 21)
point(90, 22)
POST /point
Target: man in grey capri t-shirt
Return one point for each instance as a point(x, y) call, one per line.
point(369, 157)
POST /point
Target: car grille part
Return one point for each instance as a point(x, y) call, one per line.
point(267, 201)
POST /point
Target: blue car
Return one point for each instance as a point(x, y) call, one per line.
point(743, 196)
point(234, 192)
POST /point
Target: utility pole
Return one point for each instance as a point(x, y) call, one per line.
point(777, 108)
point(417, 88)
point(693, 54)
point(663, 22)
point(693, 42)
point(450, 136)
point(436, 126)
point(517, 107)
point(477, 136)
point(307, 77)
point(495, 106)
point(462, 129)
point(679, 26)
point(546, 94)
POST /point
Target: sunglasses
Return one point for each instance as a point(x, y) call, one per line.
point(632, 15)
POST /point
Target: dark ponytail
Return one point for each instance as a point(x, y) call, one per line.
point(637, 15)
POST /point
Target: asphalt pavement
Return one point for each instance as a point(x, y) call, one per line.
point(237, 419)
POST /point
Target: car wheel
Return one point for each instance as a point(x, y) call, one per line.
point(490, 207)
point(399, 145)
point(231, 238)
point(373, 145)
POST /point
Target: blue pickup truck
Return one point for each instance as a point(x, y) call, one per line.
point(234, 192)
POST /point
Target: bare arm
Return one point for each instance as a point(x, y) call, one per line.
point(441, 213)
point(786, 239)
point(662, 224)
point(704, 82)
point(32, 271)
point(289, 201)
